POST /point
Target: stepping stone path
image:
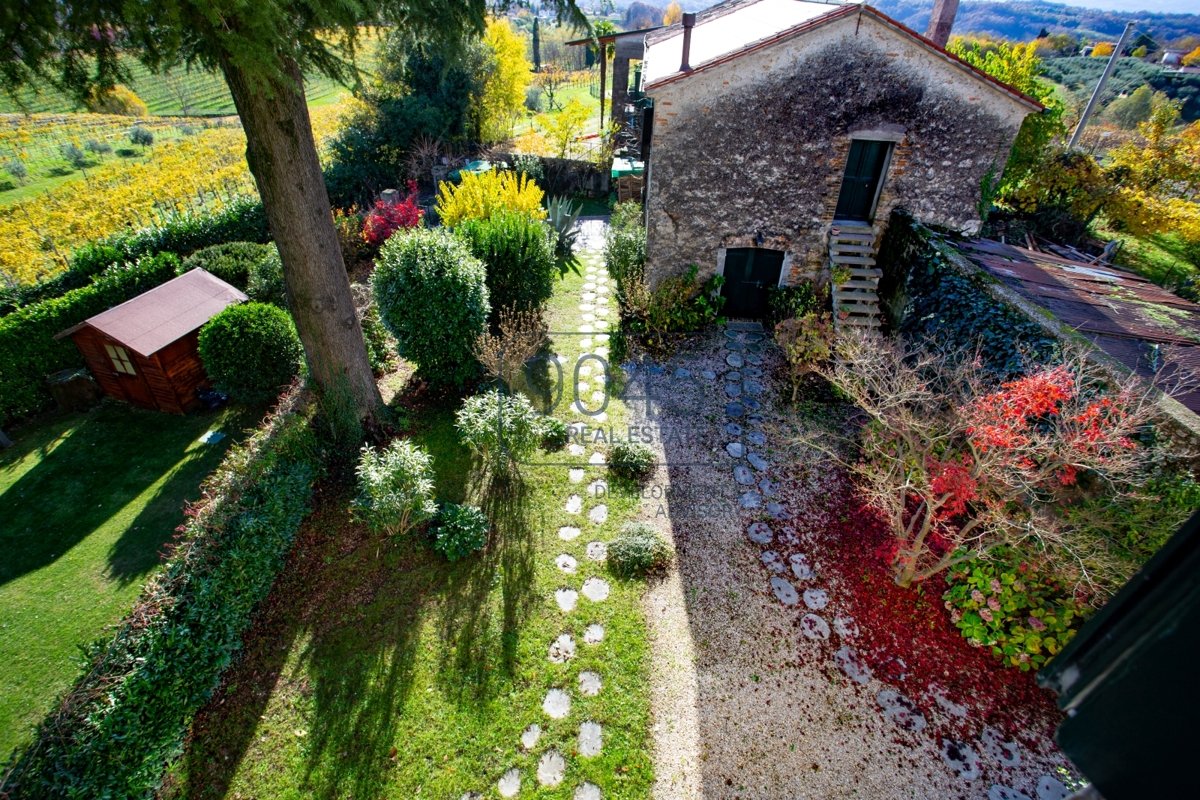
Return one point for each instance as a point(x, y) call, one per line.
point(587, 791)
point(816, 599)
point(529, 738)
point(757, 461)
point(567, 533)
point(557, 704)
point(597, 551)
point(575, 475)
point(846, 627)
point(756, 438)
point(567, 563)
point(566, 599)
point(760, 533)
point(599, 514)
point(785, 591)
point(734, 360)
point(733, 429)
point(574, 504)
point(961, 758)
point(749, 500)
point(814, 627)
point(743, 475)
point(735, 449)
point(593, 634)
point(849, 662)
point(900, 710)
point(800, 566)
point(590, 684)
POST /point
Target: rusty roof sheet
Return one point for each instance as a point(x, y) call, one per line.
point(166, 313)
point(1134, 321)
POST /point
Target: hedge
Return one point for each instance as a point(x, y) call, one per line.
point(28, 350)
point(242, 220)
point(125, 718)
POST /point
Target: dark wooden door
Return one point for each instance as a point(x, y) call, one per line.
point(860, 184)
point(749, 273)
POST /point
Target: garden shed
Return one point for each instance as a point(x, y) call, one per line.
point(144, 351)
point(783, 133)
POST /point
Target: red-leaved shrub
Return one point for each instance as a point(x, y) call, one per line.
point(385, 219)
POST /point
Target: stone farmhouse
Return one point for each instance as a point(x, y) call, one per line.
point(780, 135)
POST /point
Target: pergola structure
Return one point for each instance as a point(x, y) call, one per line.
point(627, 46)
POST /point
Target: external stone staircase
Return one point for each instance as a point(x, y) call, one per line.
point(855, 299)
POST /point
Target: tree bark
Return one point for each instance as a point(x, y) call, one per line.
point(283, 158)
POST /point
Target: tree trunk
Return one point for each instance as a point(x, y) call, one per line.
point(283, 158)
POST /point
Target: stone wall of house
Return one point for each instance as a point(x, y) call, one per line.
point(752, 153)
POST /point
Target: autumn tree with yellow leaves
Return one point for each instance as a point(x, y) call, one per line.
point(503, 95)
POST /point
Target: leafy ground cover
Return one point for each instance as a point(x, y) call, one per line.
point(87, 502)
point(376, 668)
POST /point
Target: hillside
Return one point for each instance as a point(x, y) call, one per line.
point(1023, 20)
point(1079, 75)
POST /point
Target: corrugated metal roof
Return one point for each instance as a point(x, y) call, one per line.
point(166, 313)
point(1134, 321)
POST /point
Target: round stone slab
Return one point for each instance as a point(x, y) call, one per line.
point(900, 710)
point(733, 429)
point(743, 475)
point(575, 449)
point(733, 389)
point(575, 475)
point(1008, 754)
point(596, 459)
point(587, 791)
point(735, 450)
point(599, 514)
point(753, 387)
point(574, 504)
point(784, 591)
point(590, 684)
point(800, 566)
point(754, 359)
point(567, 563)
point(593, 634)
point(998, 792)
point(749, 500)
point(756, 438)
point(562, 649)
point(850, 663)
point(596, 589)
point(682, 373)
point(846, 627)
point(566, 599)
point(757, 461)
point(529, 738)
point(557, 704)
point(734, 410)
point(733, 376)
point(777, 511)
point(551, 768)
point(814, 627)
point(1051, 788)
point(590, 739)
point(961, 758)
point(760, 533)
point(597, 551)
point(708, 375)
point(816, 599)
point(567, 533)
point(772, 561)
point(509, 783)
point(735, 360)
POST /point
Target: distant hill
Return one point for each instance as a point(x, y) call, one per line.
point(1024, 20)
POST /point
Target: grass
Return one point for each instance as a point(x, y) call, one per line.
point(1161, 258)
point(379, 670)
point(87, 502)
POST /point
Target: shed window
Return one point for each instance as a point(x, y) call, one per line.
point(120, 359)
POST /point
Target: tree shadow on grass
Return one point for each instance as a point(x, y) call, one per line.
point(479, 629)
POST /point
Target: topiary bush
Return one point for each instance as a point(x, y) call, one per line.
point(432, 296)
point(459, 531)
point(232, 262)
point(395, 487)
point(265, 282)
point(554, 432)
point(517, 253)
point(250, 351)
point(631, 461)
point(500, 428)
point(637, 551)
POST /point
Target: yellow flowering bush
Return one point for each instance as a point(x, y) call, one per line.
point(480, 196)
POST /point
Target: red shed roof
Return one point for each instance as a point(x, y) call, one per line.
point(166, 313)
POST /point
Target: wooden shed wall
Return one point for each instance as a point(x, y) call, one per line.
point(165, 381)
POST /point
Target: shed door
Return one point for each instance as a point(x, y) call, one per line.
point(749, 273)
point(860, 184)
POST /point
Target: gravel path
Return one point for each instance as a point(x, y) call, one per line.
point(750, 700)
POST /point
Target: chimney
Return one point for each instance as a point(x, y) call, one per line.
point(941, 21)
point(689, 22)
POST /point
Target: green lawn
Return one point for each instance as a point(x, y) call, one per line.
point(379, 670)
point(1162, 258)
point(87, 502)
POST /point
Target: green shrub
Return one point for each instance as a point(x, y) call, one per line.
point(625, 245)
point(680, 304)
point(631, 460)
point(500, 428)
point(379, 345)
point(242, 220)
point(264, 283)
point(1008, 603)
point(28, 349)
point(395, 487)
point(459, 531)
point(797, 300)
point(518, 256)
point(554, 433)
point(251, 351)
point(637, 551)
point(230, 261)
point(138, 691)
point(142, 137)
point(432, 296)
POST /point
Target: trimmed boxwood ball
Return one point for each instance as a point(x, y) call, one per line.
point(251, 351)
point(637, 551)
point(631, 460)
point(232, 262)
point(459, 531)
point(518, 256)
point(265, 284)
point(432, 295)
